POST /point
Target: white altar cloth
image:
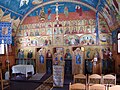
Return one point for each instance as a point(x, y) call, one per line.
point(24, 69)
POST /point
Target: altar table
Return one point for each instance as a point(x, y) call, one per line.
point(24, 69)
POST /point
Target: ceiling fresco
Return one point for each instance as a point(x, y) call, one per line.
point(71, 8)
point(17, 9)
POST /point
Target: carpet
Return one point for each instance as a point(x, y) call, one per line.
point(37, 76)
point(47, 84)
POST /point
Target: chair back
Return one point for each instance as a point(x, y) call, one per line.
point(77, 86)
point(109, 79)
point(80, 78)
point(5, 84)
point(94, 79)
point(116, 87)
point(97, 87)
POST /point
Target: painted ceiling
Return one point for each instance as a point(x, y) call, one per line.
point(19, 9)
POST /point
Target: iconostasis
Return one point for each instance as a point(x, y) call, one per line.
point(72, 31)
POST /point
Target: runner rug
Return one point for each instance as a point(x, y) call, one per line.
point(47, 84)
point(37, 76)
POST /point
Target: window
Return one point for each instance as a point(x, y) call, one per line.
point(118, 38)
point(1, 48)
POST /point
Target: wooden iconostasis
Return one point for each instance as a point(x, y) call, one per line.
point(39, 37)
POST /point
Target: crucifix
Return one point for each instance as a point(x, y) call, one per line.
point(57, 5)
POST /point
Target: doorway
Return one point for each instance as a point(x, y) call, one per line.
point(41, 60)
point(68, 62)
point(49, 63)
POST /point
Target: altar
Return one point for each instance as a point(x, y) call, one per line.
point(24, 69)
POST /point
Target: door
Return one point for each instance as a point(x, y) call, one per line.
point(68, 62)
point(41, 60)
point(49, 62)
point(78, 60)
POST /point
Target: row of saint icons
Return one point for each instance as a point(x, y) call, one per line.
point(62, 23)
point(50, 31)
point(60, 30)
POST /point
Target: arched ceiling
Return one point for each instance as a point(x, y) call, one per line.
point(110, 9)
point(18, 8)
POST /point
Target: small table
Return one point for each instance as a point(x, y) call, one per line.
point(24, 69)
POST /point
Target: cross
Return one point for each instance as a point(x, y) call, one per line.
point(110, 54)
point(57, 5)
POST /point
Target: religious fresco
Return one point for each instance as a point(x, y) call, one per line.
point(88, 29)
point(31, 32)
point(64, 24)
point(103, 27)
point(58, 55)
point(87, 40)
point(26, 50)
point(111, 10)
point(81, 22)
point(37, 33)
point(58, 30)
point(68, 55)
point(30, 26)
point(74, 26)
point(73, 23)
point(23, 6)
point(93, 29)
point(49, 31)
point(78, 56)
point(20, 33)
point(71, 40)
point(67, 30)
point(15, 10)
point(80, 29)
point(45, 41)
point(78, 60)
point(19, 42)
point(49, 25)
point(105, 39)
point(91, 52)
point(41, 56)
point(27, 41)
point(57, 40)
point(114, 35)
point(55, 23)
point(33, 41)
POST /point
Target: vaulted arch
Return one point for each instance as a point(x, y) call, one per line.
point(55, 1)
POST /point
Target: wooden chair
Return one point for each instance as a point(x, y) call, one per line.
point(94, 79)
point(80, 78)
point(5, 84)
point(97, 87)
point(109, 79)
point(77, 86)
point(116, 87)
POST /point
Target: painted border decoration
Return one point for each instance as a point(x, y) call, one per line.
point(5, 32)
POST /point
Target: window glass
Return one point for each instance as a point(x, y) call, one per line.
point(118, 42)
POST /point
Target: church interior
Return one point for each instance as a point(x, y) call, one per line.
point(60, 44)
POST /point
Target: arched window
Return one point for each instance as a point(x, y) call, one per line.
point(2, 49)
point(118, 38)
